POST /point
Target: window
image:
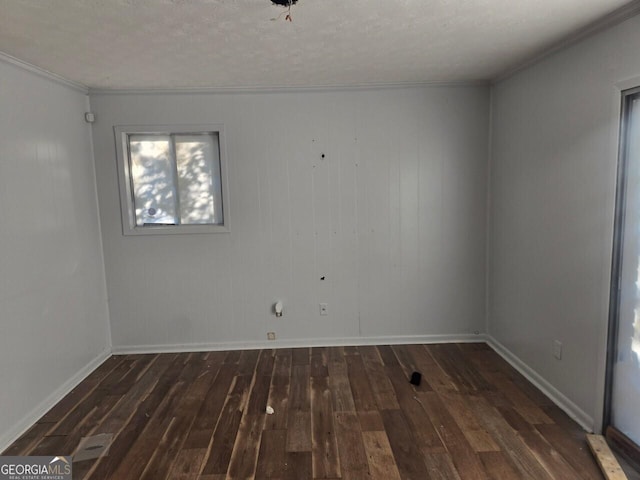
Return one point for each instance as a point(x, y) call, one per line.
point(172, 179)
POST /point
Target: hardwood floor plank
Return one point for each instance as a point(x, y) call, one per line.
point(266, 361)
point(319, 362)
point(209, 413)
point(489, 361)
point(371, 421)
point(245, 451)
point(282, 363)
point(369, 354)
point(433, 376)
point(279, 391)
point(259, 395)
point(224, 436)
point(405, 359)
point(164, 455)
point(233, 357)
point(278, 400)
point(380, 456)
point(497, 466)
point(89, 423)
point(150, 415)
point(299, 410)
point(48, 445)
point(464, 374)
point(464, 458)
point(132, 375)
point(409, 459)
point(388, 356)
point(341, 395)
point(363, 398)
point(336, 354)
point(521, 403)
point(548, 457)
point(114, 366)
point(297, 466)
point(479, 439)
point(28, 440)
point(78, 413)
point(299, 432)
point(423, 431)
point(440, 467)
point(382, 388)
point(353, 457)
point(518, 454)
point(339, 413)
point(301, 356)
point(187, 464)
point(514, 419)
point(247, 362)
point(272, 455)
point(299, 399)
point(325, 461)
point(126, 408)
point(574, 451)
point(350, 350)
point(183, 416)
point(129, 418)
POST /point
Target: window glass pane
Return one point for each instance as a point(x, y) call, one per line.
point(199, 187)
point(153, 178)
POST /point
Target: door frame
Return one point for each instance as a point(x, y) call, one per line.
point(627, 97)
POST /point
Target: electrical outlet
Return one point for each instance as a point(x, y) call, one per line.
point(557, 349)
point(324, 309)
point(271, 335)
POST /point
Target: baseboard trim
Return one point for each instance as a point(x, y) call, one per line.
point(7, 438)
point(289, 343)
point(574, 411)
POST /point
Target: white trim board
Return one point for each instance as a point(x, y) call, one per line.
point(574, 411)
point(15, 432)
point(54, 77)
point(298, 343)
point(256, 89)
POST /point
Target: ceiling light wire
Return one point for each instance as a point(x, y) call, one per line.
point(287, 12)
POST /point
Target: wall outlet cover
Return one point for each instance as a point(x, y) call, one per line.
point(557, 349)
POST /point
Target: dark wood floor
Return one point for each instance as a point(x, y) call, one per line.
point(340, 412)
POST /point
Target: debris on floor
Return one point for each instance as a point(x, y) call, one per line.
point(93, 447)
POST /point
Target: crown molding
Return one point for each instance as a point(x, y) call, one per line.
point(281, 88)
point(611, 20)
point(6, 58)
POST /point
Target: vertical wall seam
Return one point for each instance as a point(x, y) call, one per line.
point(488, 231)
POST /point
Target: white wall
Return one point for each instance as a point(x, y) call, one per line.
point(393, 217)
point(54, 318)
point(552, 186)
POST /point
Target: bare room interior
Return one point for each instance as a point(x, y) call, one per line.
point(314, 239)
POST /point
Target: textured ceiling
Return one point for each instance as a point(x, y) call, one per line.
point(235, 43)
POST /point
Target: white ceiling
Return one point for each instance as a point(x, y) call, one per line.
point(234, 43)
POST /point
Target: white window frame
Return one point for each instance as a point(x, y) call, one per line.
point(127, 205)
